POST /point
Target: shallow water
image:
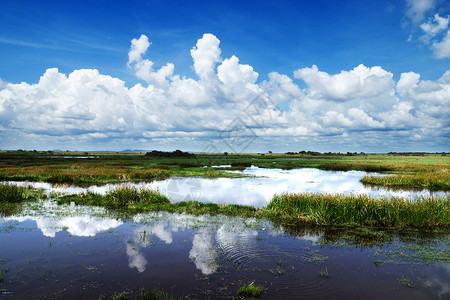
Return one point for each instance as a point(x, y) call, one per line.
point(256, 190)
point(67, 251)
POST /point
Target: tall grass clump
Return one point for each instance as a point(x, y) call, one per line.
point(433, 180)
point(11, 193)
point(130, 196)
point(341, 209)
point(250, 290)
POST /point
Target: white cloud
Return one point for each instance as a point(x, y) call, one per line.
point(88, 108)
point(206, 54)
point(138, 49)
point(442, 49)
point(359, 82)
point(437, 35)
point(417, 9)
point(144, 67)
point(434, 26)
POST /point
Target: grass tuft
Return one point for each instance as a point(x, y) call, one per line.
point(250, 290)
point(157, 294)
point(11, 193)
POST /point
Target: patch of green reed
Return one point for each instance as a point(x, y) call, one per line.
point(128, 196)
point(250, 290)
point(135, 199)
point(341, 209)
point(11, 193)
point(434, 180)
point(12, 196)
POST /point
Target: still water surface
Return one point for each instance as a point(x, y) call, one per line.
point(67, 251)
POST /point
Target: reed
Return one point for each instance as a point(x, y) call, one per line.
point(11, 193)
point(439, 179)
point(341, 209)
point(130, 196)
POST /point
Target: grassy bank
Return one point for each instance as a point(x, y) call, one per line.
point(340, 209)
point(316, 209)
point(132, 199)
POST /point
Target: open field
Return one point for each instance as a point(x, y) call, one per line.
point(411, 171)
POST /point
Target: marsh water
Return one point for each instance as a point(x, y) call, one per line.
point(66, 251)
point(256, 188)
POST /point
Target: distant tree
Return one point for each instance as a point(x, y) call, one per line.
point(225, 153)
point(270, 152)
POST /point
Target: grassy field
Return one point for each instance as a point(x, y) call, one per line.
point(411, 171)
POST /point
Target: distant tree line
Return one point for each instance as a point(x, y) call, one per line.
point(176, 153)
point(314, 153)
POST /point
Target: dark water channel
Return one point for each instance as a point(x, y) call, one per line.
point(69, 252)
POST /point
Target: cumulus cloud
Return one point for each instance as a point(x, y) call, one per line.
point(144, 67)
point(358, 83)
point(206, 54)
point(89, 108)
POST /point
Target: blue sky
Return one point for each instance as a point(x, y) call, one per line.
point(282, 38)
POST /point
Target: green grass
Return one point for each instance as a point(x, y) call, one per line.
point(317, 209)
point(11, 193)
point(250, 290)
point(157, 294)
point(438, 179)
point(134, 199)
point(341, 209)
point(154, 294)
point(12, 197)
point(424, 170)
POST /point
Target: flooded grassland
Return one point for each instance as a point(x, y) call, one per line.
point(202, 238)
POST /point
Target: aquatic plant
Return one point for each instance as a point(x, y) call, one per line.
point(11, 193)
point(342, 209)
point(157, 294)
point(324, 273)
point(406, 282)
point(250, 290)
point(128, 196)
